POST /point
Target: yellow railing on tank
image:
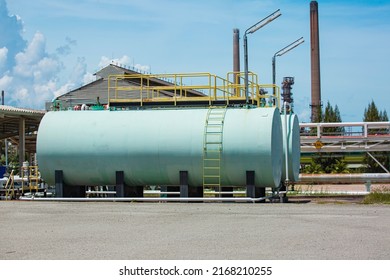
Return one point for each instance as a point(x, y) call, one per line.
point(191, 87)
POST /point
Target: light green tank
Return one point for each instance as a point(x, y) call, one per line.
point(152, 146)
point(294, 147)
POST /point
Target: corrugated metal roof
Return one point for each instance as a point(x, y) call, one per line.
point(5, 109)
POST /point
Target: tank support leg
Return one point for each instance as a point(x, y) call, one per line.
point(227, 189)
point(120, 183)
point(251, 190)
point(250, 184)
point(260, 192)
point(59, 183)
point(183, 183)
point(283, 197)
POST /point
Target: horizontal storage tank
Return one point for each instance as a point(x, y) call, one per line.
point(152, 146)
point(294, 147)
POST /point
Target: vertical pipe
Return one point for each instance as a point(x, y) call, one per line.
point(22, 148)
point(236, 58)
point(246, 68)
point(5, 140)
point(286, 143)
point(274, 76)
point(315, 62)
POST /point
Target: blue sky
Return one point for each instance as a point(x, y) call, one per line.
point(48, 47)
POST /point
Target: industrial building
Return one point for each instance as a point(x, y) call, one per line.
point(98, 90)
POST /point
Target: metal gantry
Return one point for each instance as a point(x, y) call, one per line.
point(345, 137)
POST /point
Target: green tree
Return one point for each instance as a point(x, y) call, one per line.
point(332, 115)
point(372, 114)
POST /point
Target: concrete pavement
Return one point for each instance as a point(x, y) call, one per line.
point(95, 230)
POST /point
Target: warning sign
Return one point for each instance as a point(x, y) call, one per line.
point(318, 144)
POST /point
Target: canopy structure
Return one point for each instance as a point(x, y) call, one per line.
point(20, 127)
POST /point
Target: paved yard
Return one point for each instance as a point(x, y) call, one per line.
point(108, 230)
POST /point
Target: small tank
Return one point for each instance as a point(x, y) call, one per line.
point(293, 146)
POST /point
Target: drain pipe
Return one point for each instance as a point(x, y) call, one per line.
point(147, 199)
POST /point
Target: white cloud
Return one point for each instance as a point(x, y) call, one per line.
point(28, 59)
point(124, 61)
point(88, 78)
point(304, 115)
point(28, 72)
point(143, 68)
point(104, 61)
point(3, 56)
point(63, 89)
point(5, 81)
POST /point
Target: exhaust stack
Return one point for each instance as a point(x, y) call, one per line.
point(315, 63)
point(236, 55)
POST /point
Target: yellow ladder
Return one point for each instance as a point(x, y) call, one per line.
point(33, 178)
point(9, 187)
point(212, 148)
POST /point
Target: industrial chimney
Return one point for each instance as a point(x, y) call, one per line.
point(236, 55)
point(315, 63)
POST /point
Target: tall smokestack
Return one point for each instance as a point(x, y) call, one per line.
point(236, 54)
point(2, 97)
point(315, 63)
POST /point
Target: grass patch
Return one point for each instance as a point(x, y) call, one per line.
point(379, 196)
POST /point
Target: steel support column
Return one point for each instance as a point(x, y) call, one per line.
point(183, 183)
point(22, 142)
point(120, 183)
point(59, 183)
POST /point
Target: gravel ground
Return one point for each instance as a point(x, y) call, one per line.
point(108, 230)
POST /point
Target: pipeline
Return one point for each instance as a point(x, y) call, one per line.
point(345, 178)
point(148, 199)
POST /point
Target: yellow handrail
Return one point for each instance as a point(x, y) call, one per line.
point(141, 88)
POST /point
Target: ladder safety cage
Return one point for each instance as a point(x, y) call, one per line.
point(212, 148)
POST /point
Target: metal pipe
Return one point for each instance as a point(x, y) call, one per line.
point(286, 143)
point(274, 74)
point(281, 52)
point(377, 161)
point(148, 199)
point(331, 124)
point(251, 30)
point(345, 178)
point(246, 68)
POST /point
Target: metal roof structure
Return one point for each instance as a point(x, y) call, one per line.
point(20, 127)
point(89, 94)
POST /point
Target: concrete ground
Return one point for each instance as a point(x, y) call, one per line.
point(107, 230)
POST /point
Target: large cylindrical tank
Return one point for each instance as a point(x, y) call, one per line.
point(293, 145)
point(153, 146)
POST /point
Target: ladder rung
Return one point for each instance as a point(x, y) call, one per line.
point(216, 124)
